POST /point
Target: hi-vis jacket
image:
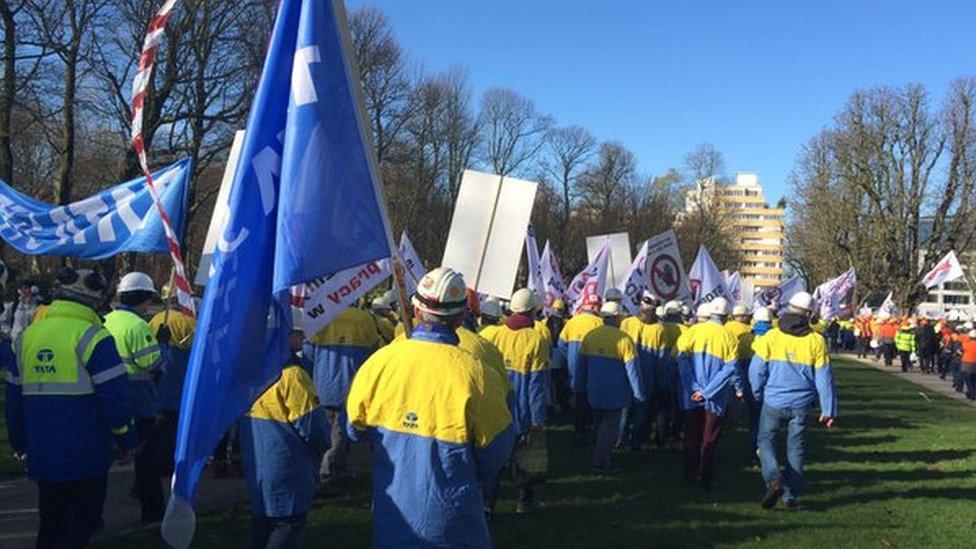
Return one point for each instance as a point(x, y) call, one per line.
point(905, 339)
point(706, 363)
point(338, 350)
point(609, 372)
point(788, 371)
point(141, 355)
point(570, 340)
point(283, 438)
point(742, 333)
point(438, 425)
point(67, 396)
point(656, 349)
point(181, 328)
point(526, 356)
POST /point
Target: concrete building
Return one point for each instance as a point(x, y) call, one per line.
point(759, 228)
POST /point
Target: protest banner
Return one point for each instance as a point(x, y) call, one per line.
point(619, 259)
point(552, 278)
point(327, 296)
point(706, 280)
point(665, 272)
point(219, 216)
point(946, 270)
point(588, 287)
point(532, 255)
point(491, 217)
point(636, 282)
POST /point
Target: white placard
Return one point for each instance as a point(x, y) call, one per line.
point(220, 212)
point(665, 272)
point(619, 256)
point(488, 229)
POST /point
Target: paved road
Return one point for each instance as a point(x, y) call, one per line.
point(930, 382)
point(18, 505)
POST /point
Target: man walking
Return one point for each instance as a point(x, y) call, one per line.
point(570, 340)
point(790, 368)
point(905, 344)
point(706, 362)
point(926, 346)
point(67, 405)
point(438, 425)
point(136, 343)
point(609, 376)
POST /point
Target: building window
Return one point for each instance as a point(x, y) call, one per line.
point(955, 286)
point(955, 299)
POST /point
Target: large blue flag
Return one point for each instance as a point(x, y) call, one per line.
point(120, 219)
point(297, 212)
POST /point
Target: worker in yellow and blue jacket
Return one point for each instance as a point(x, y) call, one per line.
point(609, 375)
point(67, 409)
point(791, 369)
point(570, 340)
point(336, 353)
point(174, 332)
point(382, 310)
point(655, 341)
point(438, 425)
point(283, 437)
point(145, 362)
point(706, 363)
point(526, 355)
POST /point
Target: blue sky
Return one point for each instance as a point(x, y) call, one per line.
point(756, 79)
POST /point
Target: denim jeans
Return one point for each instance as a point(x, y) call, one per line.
point(639, 417)
point(607, 424)
point(333, 466)
point(769, 423)
point(277, 532)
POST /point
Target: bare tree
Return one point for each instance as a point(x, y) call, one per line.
point(513, 132)
point(604, 185)
point(569, 148)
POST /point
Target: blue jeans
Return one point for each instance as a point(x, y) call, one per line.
point(769, 423)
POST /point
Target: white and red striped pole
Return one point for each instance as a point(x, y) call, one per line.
point(147, 59)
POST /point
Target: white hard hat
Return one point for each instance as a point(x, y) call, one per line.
point(649, 300)
point(740, 310)
point(491, 307)
point(703, 310)
point(660, 311)
point(81, 284)
point(134, 282)
point(613, 294)
point(672, 307)
point(610, 309)
point(524, 301)
point(441, 292)
point(761, 315)
point(967, 326)
point(803, 301)
point(686, 310)
point(379, 303)
point(972, 334)
point(297, 319)
point(720, 306)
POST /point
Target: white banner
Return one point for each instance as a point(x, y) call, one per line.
point(488, 229)
point(733, 285)
point(414, 267)
point(588, 286)
point(326, 297)
point(535, 269)
point(619, 255)
point(665, 272)
point(552, 278)
point(887, 307)
point(779, 296)
point(636, 282)
point(706, 280)
point(946, 270)
point(833, 294)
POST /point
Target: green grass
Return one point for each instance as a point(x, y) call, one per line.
point(9, 466)
point(898, 471)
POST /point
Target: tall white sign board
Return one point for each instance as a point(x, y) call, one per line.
point(220, 212)
point(488, 229)
point(619, 255)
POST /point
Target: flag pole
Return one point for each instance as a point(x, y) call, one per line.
point(396, 262)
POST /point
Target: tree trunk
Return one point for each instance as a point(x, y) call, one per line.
point(62, 192)
point(9, 87)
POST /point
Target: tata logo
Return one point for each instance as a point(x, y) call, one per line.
point(410, 420)
point(45, 355)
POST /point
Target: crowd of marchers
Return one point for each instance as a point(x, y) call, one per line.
point(449, 406)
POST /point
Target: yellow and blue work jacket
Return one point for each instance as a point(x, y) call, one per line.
point(67, 397)
point(142, 356)
point(438, 425)
point(655, 344)
point(337, 352)
point(283, 438)
point(706, 363)
point(742, 333)
point(526, 358)
point(177, 352)
point(385, 327)
point(789, 371)
point(609, 372)
point(570, 340)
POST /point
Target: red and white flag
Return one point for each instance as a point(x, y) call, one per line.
point(946, 270)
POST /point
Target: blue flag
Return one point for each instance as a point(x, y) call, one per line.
point(120, 219)
point(303, 204)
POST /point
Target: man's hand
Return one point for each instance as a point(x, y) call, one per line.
point(827, 421)
point(697, 396)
